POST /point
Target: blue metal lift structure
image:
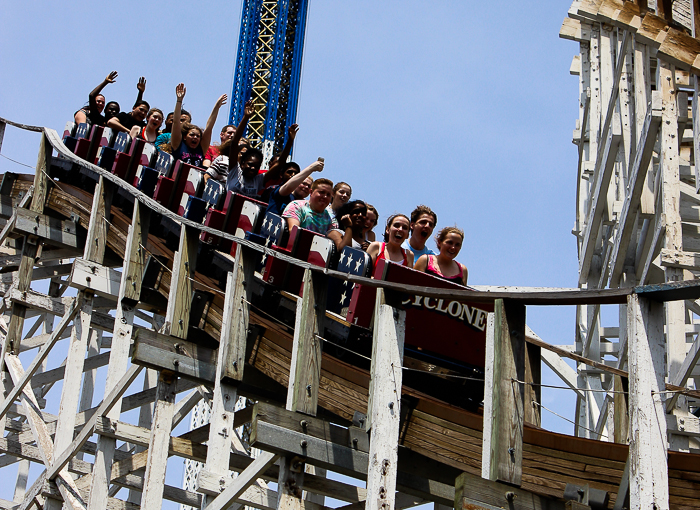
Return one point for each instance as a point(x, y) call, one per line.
point(268, 69)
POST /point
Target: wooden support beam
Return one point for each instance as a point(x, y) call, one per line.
point(177, 316)
point(604, 168)
point(475, 493)
point(71, 313)
point(384, 406)
point(154, 479)
point(89, 428)
point(53, 231)
point(648, 464)
point(94, 253)
point(129, 294)
point(234, 329)
point(680, 378)
point(673, 236)
point(304, 379)
point(230, 360)
point(65, 483)
point(348, 461)
point(502, 451)
point(30, 250)
point(635, 186)
point(610, 137)
point(244, 480)
point(305, 370)
point(86, 275)
point(186, 359)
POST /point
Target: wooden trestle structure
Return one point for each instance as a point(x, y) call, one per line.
point(638, 202)
point(638, 217)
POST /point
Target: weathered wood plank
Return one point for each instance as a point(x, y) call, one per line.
point(230, 360)
point(306, 352)
point(635, 186)
point(504, 399)
point(384, 406)
point(30, 250)
point(86, 275)
point(89, 428)
point(177, 316)
point(648, 464)
point(61, 233)
point(163, 352)
point(476, 493)
point(154, 478)
point(234, 328)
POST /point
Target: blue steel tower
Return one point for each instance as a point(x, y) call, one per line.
point(268, 69)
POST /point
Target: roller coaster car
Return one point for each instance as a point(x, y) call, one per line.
point(449, 328)
point(146, 176)
point(108, 155)
point(278, 272)
point(79, 132)
point(351, 261)
point(238, 215)
point(170, 187)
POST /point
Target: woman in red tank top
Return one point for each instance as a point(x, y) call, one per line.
point(444, 265)
point(397, 227)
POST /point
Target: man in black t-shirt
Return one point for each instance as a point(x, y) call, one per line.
point(125, 121)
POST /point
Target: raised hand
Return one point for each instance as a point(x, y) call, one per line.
point(221, 101)
point(317, 166)
point(249, 109)
point(180, 91)
point(293, 130)
point(141, 85)
point(111, 77)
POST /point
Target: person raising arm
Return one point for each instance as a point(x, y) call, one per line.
point(283, 195)
point(278, 164)
point(96, 103)
point(188, 142)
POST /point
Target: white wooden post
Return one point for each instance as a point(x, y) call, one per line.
point(154, 479)
point(384, 407)
point(304, 378)
point(648, 449)
point(502, 450)
point(231, 360)
point(129, 290)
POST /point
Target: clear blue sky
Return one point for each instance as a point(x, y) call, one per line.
point(468, 107)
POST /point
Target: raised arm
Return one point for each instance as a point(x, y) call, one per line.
point(206, 136)
point(111, 78)
point(141, 87)
point(233, 151)
point(176, 130)
point(289, 186)
point(276, 169)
